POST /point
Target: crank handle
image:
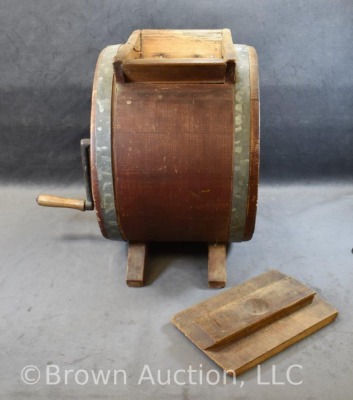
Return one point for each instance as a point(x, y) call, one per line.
point(48, 200)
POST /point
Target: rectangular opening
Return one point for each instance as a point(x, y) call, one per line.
point(181, 44)
point(197, 56)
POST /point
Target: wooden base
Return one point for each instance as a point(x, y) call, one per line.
point(136, 260)
point(217, 267)
point(249, 323)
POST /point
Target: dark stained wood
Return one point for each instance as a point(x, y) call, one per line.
point(180, 70)
point(136, 260)
point(172, 149)
point(254, 146)
point(203, 56)
point(217, 265)
point(172, 156)
point(251, 322)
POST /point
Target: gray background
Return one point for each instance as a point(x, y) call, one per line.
point(64, 301)
point(49, 50)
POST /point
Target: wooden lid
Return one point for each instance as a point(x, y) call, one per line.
point(251, 322)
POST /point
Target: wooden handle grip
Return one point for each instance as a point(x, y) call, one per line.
point(48, 200)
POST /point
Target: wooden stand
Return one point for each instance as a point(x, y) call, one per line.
point(217, 269)
point(249, 323)
point(136, 260)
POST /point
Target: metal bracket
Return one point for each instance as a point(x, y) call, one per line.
point(85, 157)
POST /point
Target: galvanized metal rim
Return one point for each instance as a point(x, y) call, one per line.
point(241, 144)
point(101, 149)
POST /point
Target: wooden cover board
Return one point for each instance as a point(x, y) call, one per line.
point(251, 322)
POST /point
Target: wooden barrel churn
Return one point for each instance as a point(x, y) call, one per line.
point(174, 147)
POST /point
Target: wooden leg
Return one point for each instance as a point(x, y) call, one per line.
point(136, 259)
point(217, 267)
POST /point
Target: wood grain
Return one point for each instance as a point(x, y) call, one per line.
point(228, 54)
point(241, 316)
point(184, 70)
point(217, 265)
point(203, 56)
point(136, 260)
point(185, 43)
point(130, 50)
point(238, 334)
point(172, 147)
point(240, 356)
point(172, 161)
point(48, 200)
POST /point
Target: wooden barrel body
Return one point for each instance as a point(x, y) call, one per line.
point(175, 160)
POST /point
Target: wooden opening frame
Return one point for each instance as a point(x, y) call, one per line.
point(197, 56)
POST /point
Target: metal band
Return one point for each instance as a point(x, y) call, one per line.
point(101, 153)
point(241, 144)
